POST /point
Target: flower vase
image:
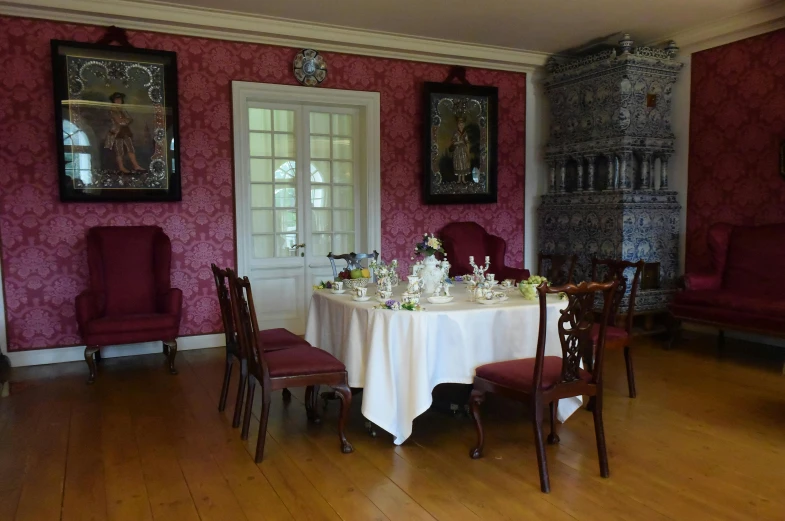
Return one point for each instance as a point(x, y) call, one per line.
point(431, 274)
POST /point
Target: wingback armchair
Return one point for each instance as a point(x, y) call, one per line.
point(464, 239)
point(130, 298)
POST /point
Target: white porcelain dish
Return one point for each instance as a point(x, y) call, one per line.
point(440, 300)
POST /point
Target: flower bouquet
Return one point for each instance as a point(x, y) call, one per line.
point(395, 305)
point(428, 246)
point(528, 287)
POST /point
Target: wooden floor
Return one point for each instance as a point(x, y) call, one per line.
point(705, 439)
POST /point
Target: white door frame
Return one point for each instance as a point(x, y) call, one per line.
point(368, 103)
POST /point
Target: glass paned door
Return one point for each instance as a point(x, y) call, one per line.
point(302, 199)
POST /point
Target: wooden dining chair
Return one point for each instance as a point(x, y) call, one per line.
point(352, 260)
point(544, 380)
point(298, 366)
point(272, 339)
point(561, 268)
point(619, 333)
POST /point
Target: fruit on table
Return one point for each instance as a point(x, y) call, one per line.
point(357, 274)
point(345, 274)
point(366, 273)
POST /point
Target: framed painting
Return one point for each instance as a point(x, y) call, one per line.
point(116, 123)
point(460, 129)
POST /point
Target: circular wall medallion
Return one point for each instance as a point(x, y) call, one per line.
point(309, 67)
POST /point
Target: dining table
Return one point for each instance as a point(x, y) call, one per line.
point(398, 356)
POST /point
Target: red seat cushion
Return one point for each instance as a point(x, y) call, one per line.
point(279, 338)
point(301, 360)
point(519, 374)
point(130, 323)
point(613, 334)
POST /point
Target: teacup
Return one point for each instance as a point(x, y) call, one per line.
point(490, 276)
point(508, 283)
point(410, 298)
point(361, 292)
point(385, 294)
point(338, 286)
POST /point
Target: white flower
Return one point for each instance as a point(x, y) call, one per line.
point(433, 242)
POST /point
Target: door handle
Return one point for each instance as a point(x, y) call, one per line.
point(297, 247)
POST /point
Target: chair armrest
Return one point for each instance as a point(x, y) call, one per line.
point(518, 274)
point(170, 302)
point(89, 306)
point(702, 281)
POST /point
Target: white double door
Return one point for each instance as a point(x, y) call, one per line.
point(300, 194)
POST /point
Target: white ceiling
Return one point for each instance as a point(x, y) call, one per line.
point(534, 25)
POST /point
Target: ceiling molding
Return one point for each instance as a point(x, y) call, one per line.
point(726, 30)
point(225, 25)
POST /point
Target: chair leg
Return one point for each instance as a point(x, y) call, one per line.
point(171, 352)
point(542, 462)
point(721, 344)
point(311, 398)
point(89, 356)
point(475, 401)
point(262, 426)
point(225, 385)
point(286, 395)
point(553, 438)
point(238, 404)
point(248, 405)
point(674, 327)
point(599, 432)
point(630, 372)
point(345, 394)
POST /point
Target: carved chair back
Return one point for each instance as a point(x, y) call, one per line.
point(561, 270)
point(575, 330)
point(352, 260)
point(247, 326)
point(225, 302)
point(616, 269)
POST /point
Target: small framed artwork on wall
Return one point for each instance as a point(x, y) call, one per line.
point(460, 129)
point(116, 123)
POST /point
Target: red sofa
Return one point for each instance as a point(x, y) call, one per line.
point(745, 289)
point(464, 239)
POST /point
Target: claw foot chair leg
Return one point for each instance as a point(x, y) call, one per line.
point(475, 401)
point(89, 356)
point(311, 397)
point(170, 348)
point(345, 395)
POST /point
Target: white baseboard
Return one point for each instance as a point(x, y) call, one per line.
point(72, 354)
point(740, 335)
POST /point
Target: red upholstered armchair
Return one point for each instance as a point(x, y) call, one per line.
point(130, 298)
point(465, 239)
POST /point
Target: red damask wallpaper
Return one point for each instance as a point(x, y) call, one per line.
point(43, 247)
point(737, 122)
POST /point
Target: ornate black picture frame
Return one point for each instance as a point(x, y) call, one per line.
point(460, 131)
point(116, 122)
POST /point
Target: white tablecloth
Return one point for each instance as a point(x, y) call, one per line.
point(398, 357)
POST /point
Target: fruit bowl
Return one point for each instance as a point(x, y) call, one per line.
point(356, 283)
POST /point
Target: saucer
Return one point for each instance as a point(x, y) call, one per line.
point(492, 301)
point(440, 300)
point(361, 299)
point(339, 291)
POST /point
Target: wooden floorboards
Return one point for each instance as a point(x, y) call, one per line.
point(705, 439)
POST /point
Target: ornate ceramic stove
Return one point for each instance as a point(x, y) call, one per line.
point(608, 153)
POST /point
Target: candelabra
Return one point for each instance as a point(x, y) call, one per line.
point(479, 272)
